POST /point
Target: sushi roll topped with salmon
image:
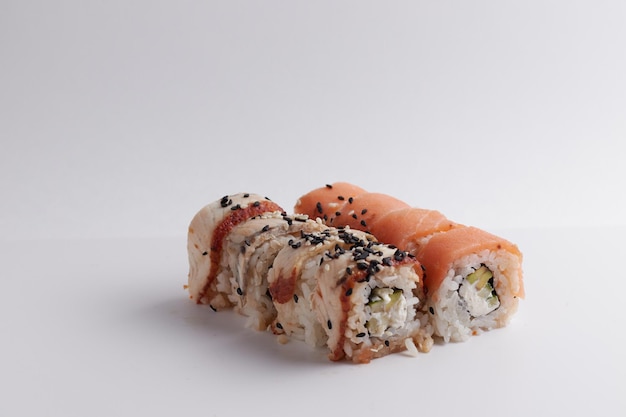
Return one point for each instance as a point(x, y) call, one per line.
point(473, 279)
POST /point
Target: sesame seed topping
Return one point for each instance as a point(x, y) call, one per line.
point(363, 211)
point(256, 203)
point(239, 291)
point(225, 201)
point(212, 308)
point(387, 343)
point(340, 197)
point(432, 310)
point(329, 324)
point(246, 195)
point(265, 228)
point(236, 207)
point(280, 326)
point(205, 253)
point(350, 200)
point(319, 208)
point(329, 186)
point(349, 292)
point(295, 298)
point(362, 334)
point(363, 223)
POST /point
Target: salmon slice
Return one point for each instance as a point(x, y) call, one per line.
point(364, 210)
point(409, 228)
point(444, 248)
point(325, 201)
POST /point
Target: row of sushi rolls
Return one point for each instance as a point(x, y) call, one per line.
point(358, 273)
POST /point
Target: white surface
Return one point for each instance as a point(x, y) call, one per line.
point(103, 327)
point(119, 120)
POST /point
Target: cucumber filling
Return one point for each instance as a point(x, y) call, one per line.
point(477, 290)
point(388, 309)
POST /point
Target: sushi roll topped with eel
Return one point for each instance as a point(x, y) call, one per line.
point(205, 242)
point(332, 287)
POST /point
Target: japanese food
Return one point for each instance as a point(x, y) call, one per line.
point(473, 279)
point(343, 289)
point(208, 279)
point(300, 278)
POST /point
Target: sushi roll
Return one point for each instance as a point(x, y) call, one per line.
point(209, 275)
point(474, 282)
point(344, 290)
point(250, 251)
point(293, 280)
point(473, 279)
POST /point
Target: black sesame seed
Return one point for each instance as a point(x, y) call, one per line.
point(296, 245)
point(295, 298)
point(362, 266)
point(236, 207)
point(279, 326)
point(363, 211)
point(256, 203)
point(399, 255)
point(432, 310)
point(349, 292)
point(337, 213)
point(329, 324)
point(239, 291)
point(349, 271)
point(387, 343)
point(329, 186)
point(243, 249)
point(318, 206)
point(362, 334)
point(247, 242)
point(387, 261)
point(350, 200)
point(205, 253)
point(354, 216)
point(340, 197)
point(265, 228)
point(246, 195)
point(363, 223)
point(212, 308)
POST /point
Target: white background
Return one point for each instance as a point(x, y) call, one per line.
point(120, 119)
